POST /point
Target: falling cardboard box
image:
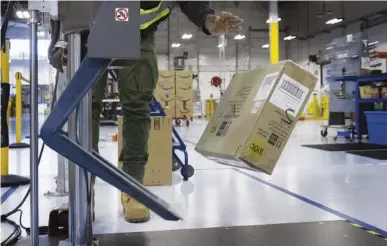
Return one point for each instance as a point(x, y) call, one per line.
point(256, 116)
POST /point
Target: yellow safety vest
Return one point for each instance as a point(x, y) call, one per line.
point(153, 15)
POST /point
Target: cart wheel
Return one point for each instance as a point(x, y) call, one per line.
point(187, 172)
point(175, 165)
point(178, 122)
point(187, 122)
point(324, 132)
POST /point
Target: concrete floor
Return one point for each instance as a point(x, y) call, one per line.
point(308, 185)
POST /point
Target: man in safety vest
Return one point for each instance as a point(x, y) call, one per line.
point(136, 83)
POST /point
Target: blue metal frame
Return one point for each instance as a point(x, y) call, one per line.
point(358, 100)
point(53, 136)
point(177, 142)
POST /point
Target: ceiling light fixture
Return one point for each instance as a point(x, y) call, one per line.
point(290, 37)
point(19, 14)
point(239, 37)
point(334, 21)
point(265, 46)
point(175, 45)
point(26, 14)
point(186, 36)
point(273, 20)
point(22, 14)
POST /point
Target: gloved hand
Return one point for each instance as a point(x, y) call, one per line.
point(58, 58)
point(223, 22)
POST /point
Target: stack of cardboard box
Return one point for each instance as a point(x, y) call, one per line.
point(174, 93)
point(165, 92)
point(184, 94)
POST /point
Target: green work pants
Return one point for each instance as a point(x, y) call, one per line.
point(136, 83)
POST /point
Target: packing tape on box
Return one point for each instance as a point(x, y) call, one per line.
point(166, 85)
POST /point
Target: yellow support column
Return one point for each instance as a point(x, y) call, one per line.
point(5, 90)
point(273, 22)
point(274, 42)
point(7, 180)
point(18, 145)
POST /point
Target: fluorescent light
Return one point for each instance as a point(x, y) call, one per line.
point(19, 14)
point(334, 21)
point(265, 46)
point(373, 43)
point(271, 20)
point(26, 14)
point(290, 37)
point(239, 37)
point(175, 45)
point(186, 36)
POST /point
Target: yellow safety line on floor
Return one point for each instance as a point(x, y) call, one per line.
point(369, 231)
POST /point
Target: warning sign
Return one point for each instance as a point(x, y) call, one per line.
point(122, 14)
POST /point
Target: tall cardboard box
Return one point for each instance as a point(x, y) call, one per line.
point(184, 94)
point(158, 170)
point(256, 116)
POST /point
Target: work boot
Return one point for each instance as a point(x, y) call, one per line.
point(134, 211)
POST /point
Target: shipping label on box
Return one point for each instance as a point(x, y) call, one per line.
point(289, 95)
point(264, 91)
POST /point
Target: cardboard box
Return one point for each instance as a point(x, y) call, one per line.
point(256, 116)
point(184, 83)
point(169, 108)
point(166, 79)
point(184, 108)
point(158, 170)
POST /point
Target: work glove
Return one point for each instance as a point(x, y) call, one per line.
point(222, 23)
point(58, 58)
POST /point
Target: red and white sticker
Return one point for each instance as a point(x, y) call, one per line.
point(122, 14)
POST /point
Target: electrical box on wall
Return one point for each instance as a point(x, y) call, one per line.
point(179, 63)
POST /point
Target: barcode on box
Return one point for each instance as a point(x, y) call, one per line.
point(275, 140)
point(223, 128)
point(292, 89)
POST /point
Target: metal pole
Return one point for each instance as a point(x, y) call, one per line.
point(236, 56)
point(249, 37)
point(34, 124)
point(169, 42)
point(85, 134)
point(78, 206)
point(60, 179)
